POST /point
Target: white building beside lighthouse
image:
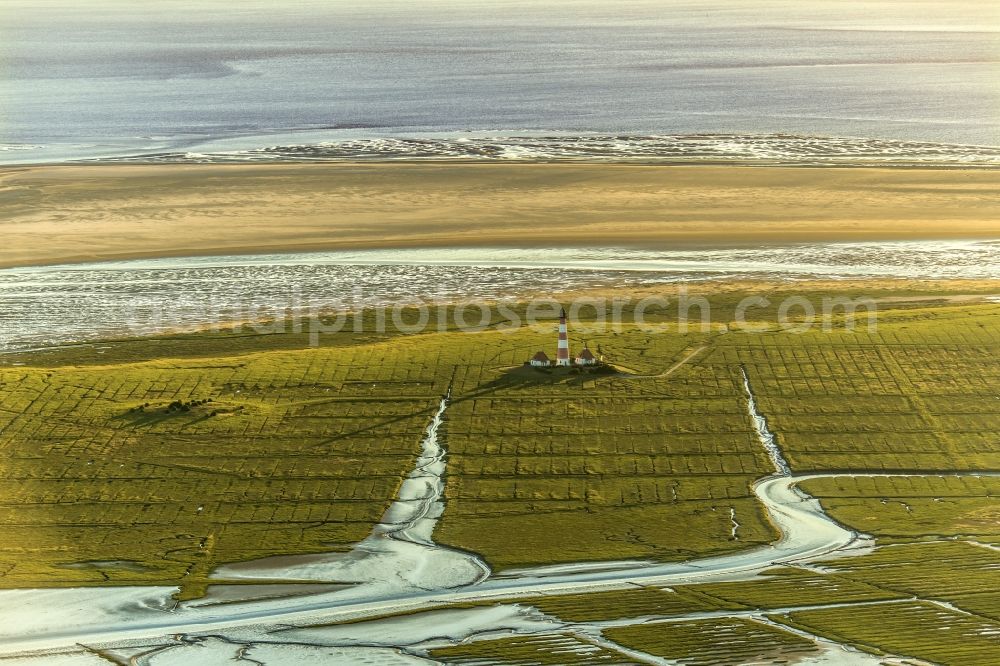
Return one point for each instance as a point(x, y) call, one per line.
point(540, 360)
point(586, 357)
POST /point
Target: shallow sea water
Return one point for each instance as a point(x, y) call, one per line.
point(303, 79)
point(52, 305)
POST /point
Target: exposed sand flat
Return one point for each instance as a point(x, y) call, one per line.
point(70, 213)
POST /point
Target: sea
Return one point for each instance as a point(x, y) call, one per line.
point(758, 81)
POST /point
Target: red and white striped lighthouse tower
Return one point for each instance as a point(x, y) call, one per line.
point(562, 355)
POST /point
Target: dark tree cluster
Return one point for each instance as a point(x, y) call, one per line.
point(179, 406)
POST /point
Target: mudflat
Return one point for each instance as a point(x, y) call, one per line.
point(75, 213)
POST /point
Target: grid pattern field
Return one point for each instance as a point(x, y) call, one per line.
point(104, 482)
point(552, 649)
point(714, 642)
point(158, 471)
point(630, 603)
point(793, 587)
point(920, 629)
point(605, 467)
point(909, 508)
point(917, 394)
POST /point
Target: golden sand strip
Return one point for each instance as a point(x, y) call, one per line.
point(53, 214)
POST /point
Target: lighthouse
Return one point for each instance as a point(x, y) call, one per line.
point(562, 355)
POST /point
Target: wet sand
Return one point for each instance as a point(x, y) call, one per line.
point(71, 213)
